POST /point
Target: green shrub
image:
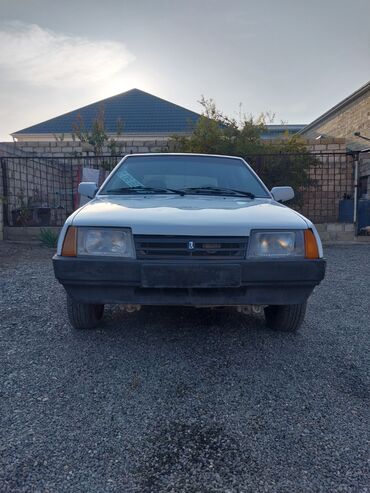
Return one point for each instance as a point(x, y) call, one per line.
point(284, 162)
point(48, 238)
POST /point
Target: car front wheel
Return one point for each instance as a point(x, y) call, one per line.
point(286, 318)
point(84, 316)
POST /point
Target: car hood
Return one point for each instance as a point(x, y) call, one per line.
point(188, 215)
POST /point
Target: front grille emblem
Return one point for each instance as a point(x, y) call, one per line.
point(191, 245)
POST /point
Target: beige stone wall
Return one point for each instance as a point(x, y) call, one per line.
point(68, 148)
point(72, 149)
point(355, 117)
point(332, 232)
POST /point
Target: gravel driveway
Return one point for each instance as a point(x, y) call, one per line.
point(183, 400)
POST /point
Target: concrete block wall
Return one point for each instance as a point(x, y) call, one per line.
point(26, 234)
point(326, 145)
point(76, 148)
point(336, 232)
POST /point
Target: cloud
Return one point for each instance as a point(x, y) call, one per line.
point(44, 58)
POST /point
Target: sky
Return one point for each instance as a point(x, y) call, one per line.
point(295, 59)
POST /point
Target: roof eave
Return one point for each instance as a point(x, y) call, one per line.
point(349, 99)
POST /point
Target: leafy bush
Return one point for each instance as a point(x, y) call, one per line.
point(48, 237)
point(97, 136)
point(284, 162)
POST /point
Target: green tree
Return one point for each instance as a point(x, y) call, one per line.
point(97, 135)
point(286, 162)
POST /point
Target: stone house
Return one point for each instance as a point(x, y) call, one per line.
point(349, 120)
point(344, 120)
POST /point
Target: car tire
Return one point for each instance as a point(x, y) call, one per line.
point(83, 316)
point(285, 318)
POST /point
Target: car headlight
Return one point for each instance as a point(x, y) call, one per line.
point(276, 244)
point(109, 242)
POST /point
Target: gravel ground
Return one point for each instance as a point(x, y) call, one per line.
point(183, 400)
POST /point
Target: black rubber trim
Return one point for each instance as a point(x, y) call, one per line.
point(130, 272)
point(97, 280)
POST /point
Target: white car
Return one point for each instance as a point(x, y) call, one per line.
point(188, 229)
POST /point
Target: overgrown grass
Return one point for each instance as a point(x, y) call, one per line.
point(48, 238)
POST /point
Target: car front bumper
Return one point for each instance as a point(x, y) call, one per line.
point(129, 281)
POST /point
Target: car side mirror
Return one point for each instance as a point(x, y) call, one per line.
point(282, 194)
point(87, 189)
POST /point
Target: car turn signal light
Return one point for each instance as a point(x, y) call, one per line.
point(310, 245)
point(69, 248)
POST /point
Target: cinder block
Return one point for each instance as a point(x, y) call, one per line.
point(335, 227)
point(324, 236)
point(345, 236)
point(334, 146)
point(13, 233)
point(349, 227)
point(362, 239)
point(321, 227)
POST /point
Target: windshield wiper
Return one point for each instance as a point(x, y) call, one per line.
point(183, 191)
point(219, 191)
point(142, 189)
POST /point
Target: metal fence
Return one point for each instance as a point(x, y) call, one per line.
point(321, 181)
point(42, 191)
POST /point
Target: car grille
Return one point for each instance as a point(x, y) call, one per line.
point(190, 247)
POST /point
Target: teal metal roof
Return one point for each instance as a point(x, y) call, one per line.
point(139, 112)
point(277, 132)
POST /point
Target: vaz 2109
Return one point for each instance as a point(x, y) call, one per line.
point(188, 229)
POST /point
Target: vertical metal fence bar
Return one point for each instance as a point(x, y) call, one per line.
point(5, 191)
point(355, 190)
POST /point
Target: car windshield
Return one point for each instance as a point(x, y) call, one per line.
point(207, 175)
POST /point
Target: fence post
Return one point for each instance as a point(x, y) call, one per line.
point(355, 190)
point(3, 198)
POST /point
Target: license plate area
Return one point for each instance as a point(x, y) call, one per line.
point(186, 276)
